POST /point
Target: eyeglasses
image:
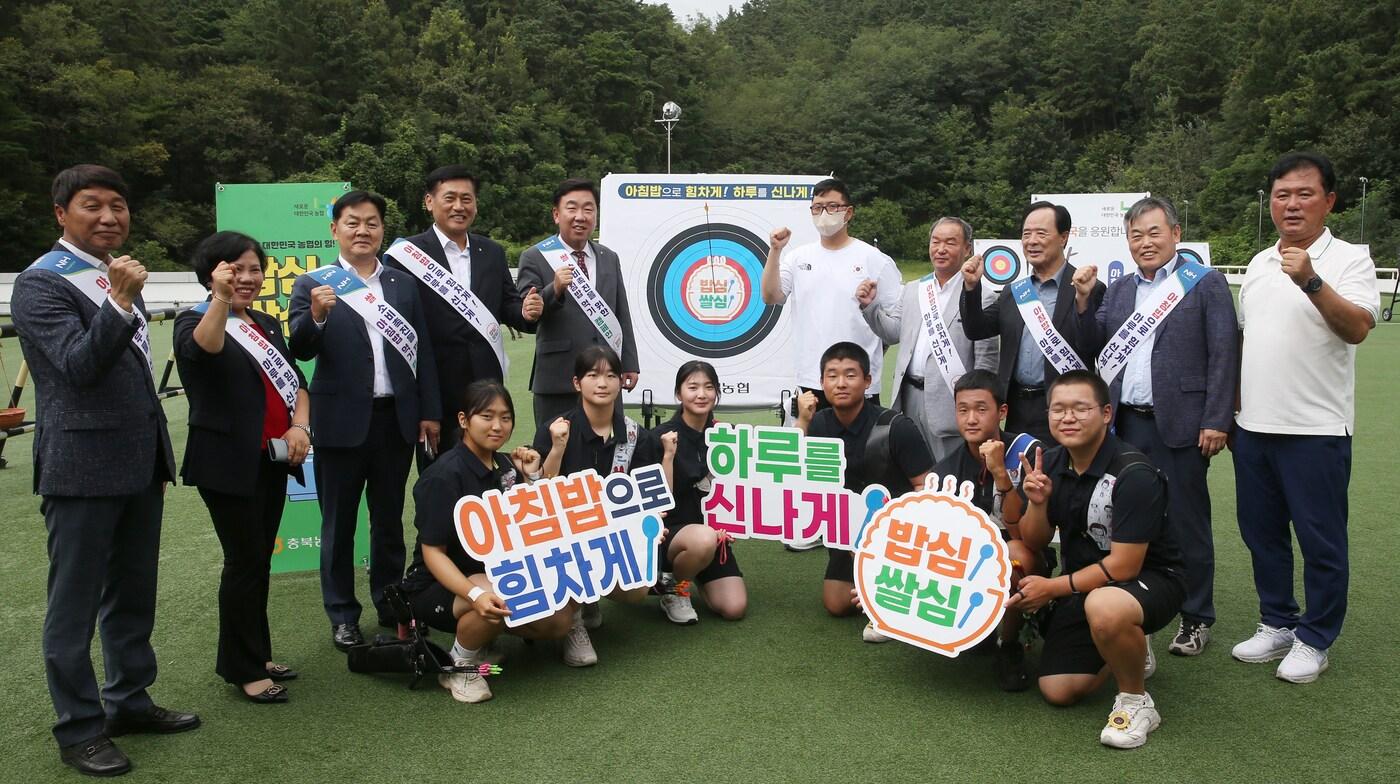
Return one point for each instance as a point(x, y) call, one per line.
point(830, 209)
point(1080, 411)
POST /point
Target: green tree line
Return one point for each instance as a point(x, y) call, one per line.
point(925, 108)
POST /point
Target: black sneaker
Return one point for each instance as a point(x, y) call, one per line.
point(1191, 638)
point(1010, 667)
point(346, 635)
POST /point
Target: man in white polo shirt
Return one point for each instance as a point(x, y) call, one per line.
point(1305, 304)
point(818, 282)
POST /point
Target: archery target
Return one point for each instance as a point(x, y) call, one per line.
point(1189, 255)
point(1000, 265)
point(703, 290)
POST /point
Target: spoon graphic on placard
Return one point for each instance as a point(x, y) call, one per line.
point(651, 528)
point(973, 602)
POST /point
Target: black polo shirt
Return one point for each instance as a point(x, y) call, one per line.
point(689, 468)
point(968, 467)
point(909, 455)
point(1096, 508)
point(586, 449)
point(456, 474)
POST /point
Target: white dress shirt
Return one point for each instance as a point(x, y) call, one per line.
point(383, 387)
point(1137, 371)
point(459, 260)
point(588, 256)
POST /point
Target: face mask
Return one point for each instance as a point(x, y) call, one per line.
point(828, 224)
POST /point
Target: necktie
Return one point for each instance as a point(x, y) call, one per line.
point(582, 259)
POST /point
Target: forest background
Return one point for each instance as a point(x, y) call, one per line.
point(924, 108)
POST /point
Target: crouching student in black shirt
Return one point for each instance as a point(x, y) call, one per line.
point(982, 461)
point(882, 447)
point(1122, 576)
point(693, 550)
point(446, 586)
point(596, 434)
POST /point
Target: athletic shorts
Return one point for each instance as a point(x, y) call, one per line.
point(840, 565)
point(1069, 647)
point(724, 563)
point(433, 606)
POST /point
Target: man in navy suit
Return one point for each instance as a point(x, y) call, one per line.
point(102, 458)
point(463, 353)
point(1174, 396)
point(1024, 371)
point(369, 406)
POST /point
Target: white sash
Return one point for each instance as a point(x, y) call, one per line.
point(944, 353)
point(377, 313)
point(93, 284)
point(275, 366)
point(462, 299)
point(558, 255)
point(1052, 343)
point(1147, 317)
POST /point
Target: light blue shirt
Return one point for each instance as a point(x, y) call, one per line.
point(1137, 373)
point(1030, 360)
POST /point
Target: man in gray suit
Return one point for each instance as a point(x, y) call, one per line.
point(1174, 396)
point(565, 328)
point(923, 384)
point(101, 460)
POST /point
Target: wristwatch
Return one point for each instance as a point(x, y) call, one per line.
point(304, 428)
point(1313, 285)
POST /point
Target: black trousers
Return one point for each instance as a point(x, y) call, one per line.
point(378, 469)
point(1028, 412)
point(1188, 508)
point(103, 558)
point(247, 529)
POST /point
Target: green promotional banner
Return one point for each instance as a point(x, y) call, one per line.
point(292, 222)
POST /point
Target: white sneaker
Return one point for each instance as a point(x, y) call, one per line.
point(869, 634)
point(1303, 664)
point(593, 615)
point(1132, 717)
point(578, 649)
point(466, 686)
point(1150, 667)
point(675, 601)
point(1266, 645)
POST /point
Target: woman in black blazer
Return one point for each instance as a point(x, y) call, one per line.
point(235, 410)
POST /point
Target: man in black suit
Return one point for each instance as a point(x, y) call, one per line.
point(369, 404)
point(464, 353)
point(1025, 368)
point(101, 460)
point(565, 328)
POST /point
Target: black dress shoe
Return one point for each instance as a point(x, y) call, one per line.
point(157, 720)
point(281, 672)
point(96, 756)
point(345, 635)
point(274, 693)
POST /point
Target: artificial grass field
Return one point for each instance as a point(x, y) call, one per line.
point(787, 694)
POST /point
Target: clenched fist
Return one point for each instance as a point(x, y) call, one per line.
point(778, 238)
point(865, 292)
point(532, 306)
point(562, 278)
point(559, 431)
point(128, 277)
point(322, 300)
point(972, 273)
point(1084, 279)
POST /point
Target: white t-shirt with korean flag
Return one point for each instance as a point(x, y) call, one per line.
point(820, 286)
